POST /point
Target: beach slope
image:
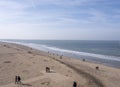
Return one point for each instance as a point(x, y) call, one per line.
point(31, 65)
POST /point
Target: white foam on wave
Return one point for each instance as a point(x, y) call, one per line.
point(55, 49)
point(85, 53)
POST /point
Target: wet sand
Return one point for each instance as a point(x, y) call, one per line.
point(30, 64)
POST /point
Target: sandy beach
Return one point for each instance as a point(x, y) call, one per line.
point(31, 65)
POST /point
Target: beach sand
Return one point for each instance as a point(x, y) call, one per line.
point(31, 65)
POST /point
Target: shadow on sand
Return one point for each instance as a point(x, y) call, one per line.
point(25, 84)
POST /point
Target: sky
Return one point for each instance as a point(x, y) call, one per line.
point(60, 19)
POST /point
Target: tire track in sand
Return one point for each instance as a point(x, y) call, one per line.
point(90, 77)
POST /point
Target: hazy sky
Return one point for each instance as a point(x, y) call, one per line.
point(60, 19)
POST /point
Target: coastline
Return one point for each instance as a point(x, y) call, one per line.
point(107, 60)
point(107, 76)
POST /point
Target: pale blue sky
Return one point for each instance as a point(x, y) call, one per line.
point(60, 19)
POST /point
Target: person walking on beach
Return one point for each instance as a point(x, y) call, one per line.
point(19, 80)
point(74, 84)
point(16, 79)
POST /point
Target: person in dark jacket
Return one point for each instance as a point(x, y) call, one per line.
point(19, 80)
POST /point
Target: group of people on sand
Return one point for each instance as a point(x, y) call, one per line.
point(17, 80)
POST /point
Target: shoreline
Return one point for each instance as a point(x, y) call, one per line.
point(85, 69)
point(107, 62)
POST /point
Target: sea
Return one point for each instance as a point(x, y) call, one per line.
point(98, 51)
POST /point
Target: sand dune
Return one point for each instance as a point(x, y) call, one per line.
point(30, 64)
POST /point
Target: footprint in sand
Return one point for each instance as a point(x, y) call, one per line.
point(45, 81)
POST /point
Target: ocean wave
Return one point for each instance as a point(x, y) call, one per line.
point(83, 53)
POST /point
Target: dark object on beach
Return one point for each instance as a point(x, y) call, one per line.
point(29, 52)
point(47, 69)
point(16, 79)
point(19, 80)
point(74, 84)
point(4, 45)
point(7, 61)
point(97, 67)
point(83, 59)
